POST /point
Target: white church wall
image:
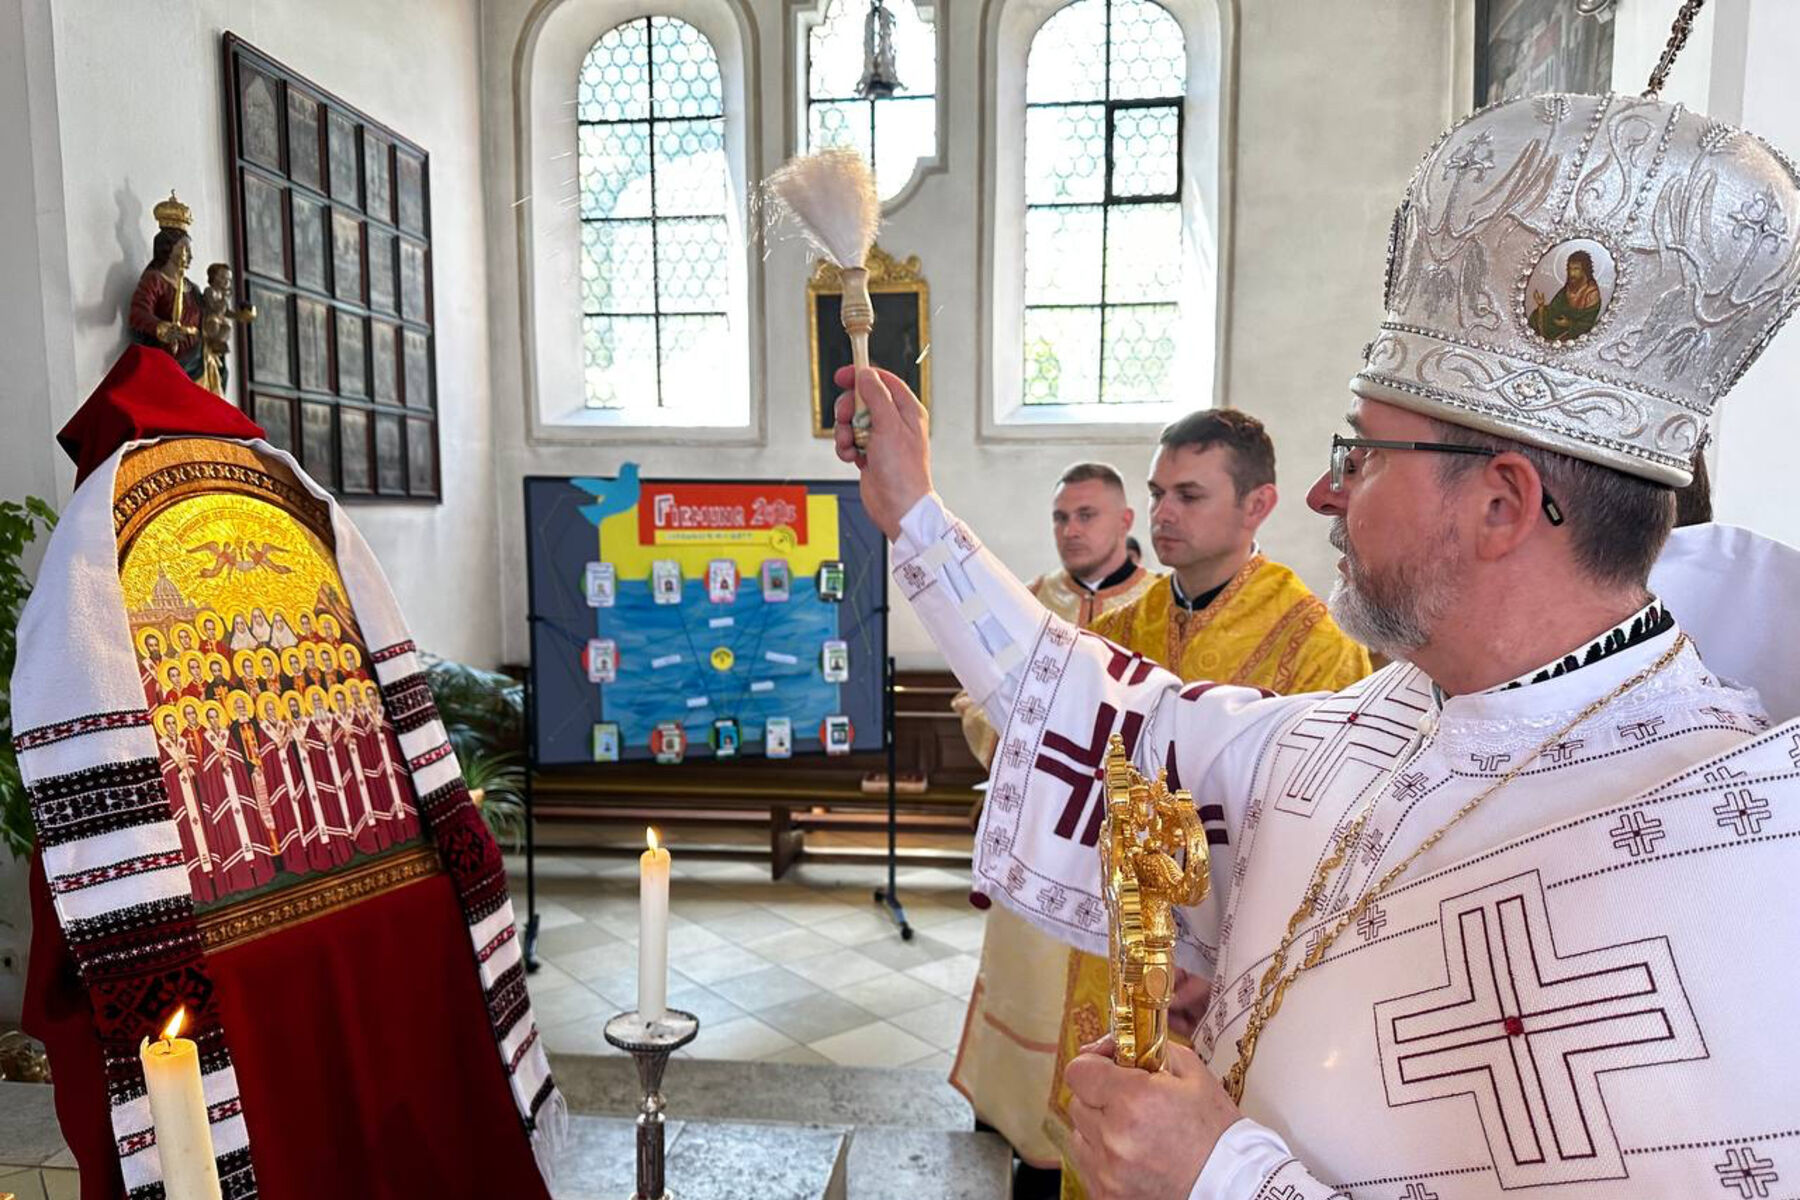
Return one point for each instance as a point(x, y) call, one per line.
point(1320, 159)
point(1759, 425)
point(1737, 67)
point(1337, 103)
point(141, 110)
point(34, 354)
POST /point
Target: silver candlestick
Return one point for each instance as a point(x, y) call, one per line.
point(650, 1043)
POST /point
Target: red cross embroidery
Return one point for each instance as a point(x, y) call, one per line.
point(1080, 767)
point(1530, 1033)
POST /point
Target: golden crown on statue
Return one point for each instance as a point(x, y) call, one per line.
point(173, 214)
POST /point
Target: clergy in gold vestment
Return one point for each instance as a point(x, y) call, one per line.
point(1225, 613)
point(1007, 1060)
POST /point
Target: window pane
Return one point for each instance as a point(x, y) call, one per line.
point(846, 124)
point(1149, 56)
point(1062, 255)
point(655, 194)
point(1143, 253)
point(1068, 59)
point(905, 124)
point(690, 168)
point(615, 84)
point(1144, 151)
point(1140, 351)
point(905, 132)
point(692, 349)
point(915, 50)
point(615, 170)
point(692, 265)
point(835, 52)
point(1062, 355)
point(1065, 155)
point(618, 272)
point(620, 354)
point(686, 79)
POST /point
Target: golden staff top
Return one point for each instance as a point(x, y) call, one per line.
point(1153, 857)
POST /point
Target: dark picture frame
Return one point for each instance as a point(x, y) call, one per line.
point(1528, 47)
point(900, 340)
point(331, 240)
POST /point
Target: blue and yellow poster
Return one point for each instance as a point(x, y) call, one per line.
point(683, 619)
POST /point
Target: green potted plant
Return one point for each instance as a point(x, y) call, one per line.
point(19, 527)
point(484, 714)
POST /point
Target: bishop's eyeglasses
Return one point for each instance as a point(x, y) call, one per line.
point(1341, 465)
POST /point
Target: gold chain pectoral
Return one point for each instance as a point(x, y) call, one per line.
point(1153, 858)
point(1278, 977)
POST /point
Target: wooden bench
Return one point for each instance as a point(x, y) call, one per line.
point(794, 798)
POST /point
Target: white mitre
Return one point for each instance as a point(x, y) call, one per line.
point(1689, 227)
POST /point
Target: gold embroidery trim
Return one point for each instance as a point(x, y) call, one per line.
point(236, 924)
point(157, 475)
point(1185, 625)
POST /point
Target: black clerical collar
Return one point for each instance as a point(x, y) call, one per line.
point(1126, 570)
point(1653, 620)
point(1196, 603)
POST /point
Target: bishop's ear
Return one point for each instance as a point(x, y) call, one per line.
point(1512, 504)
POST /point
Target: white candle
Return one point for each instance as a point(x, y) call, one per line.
point(178, 1110)
point(653, 929)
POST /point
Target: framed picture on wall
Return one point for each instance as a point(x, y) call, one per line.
point(900, 341)
point(331, 235)
point(1527, 47)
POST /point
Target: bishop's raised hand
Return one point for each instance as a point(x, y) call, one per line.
point(896, 465)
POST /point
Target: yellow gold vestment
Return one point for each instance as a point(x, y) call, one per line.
point(1265, 629)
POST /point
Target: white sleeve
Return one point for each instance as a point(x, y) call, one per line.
point(1249, 1161)
point(976, 610)
point(1057, 694)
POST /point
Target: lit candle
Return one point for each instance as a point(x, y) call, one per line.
point(653, 929)
point(178, 1110)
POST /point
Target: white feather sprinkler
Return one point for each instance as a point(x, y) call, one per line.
point(831, 196)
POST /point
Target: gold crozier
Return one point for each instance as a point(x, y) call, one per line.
point(1153, 857)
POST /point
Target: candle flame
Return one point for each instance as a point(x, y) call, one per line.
point(650, 836)
point(173, 1028)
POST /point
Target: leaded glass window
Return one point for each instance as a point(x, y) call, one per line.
point(892, 132)
point(1104, 87)
point(656, 242)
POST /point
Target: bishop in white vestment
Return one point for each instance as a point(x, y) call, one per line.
point(1517, 915)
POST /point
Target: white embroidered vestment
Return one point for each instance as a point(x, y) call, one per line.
point(1581, 988)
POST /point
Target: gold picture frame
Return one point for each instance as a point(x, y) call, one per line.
point(900, 341)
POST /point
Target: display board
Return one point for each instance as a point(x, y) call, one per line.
point(681, 619)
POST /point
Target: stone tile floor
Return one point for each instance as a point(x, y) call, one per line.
point(805, 970)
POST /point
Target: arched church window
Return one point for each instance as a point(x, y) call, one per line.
point(893, 132)
point(1104, 91)
point(656, 238)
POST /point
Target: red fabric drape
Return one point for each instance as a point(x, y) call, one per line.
point(364, 1055)
point(146, 395)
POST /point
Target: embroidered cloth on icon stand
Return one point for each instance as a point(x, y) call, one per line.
point(246, 803)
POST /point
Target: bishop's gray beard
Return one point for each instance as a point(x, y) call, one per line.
point(1393, 611)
